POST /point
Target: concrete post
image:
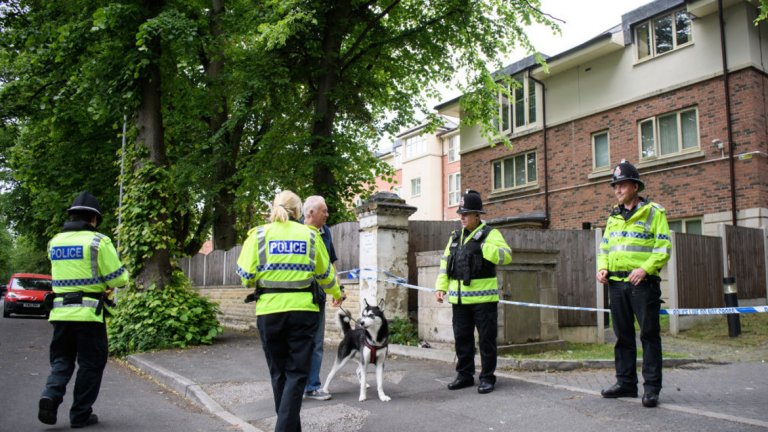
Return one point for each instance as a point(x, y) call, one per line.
point(674, 302)
point(600, 292)
point(384, 247)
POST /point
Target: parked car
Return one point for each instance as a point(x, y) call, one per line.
point(26, 293)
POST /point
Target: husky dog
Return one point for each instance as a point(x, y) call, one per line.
point(368, 341)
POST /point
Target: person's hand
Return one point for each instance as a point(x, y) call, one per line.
point(637, 276)
point(602, 276)
point(439, 296)
point(337, 303)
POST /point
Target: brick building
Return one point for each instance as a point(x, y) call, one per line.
point(651, 90)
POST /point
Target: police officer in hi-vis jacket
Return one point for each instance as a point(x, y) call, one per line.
point(281, 260)
point(468, 277)
point(85, 269)
point(635, 247)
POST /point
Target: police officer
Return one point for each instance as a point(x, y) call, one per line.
point(281, 260)
point(85, 269)
point(468, 276)
point(635, 247)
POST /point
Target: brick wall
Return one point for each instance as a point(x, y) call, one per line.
point(686, 188)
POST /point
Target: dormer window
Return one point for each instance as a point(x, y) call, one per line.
point(663, 34)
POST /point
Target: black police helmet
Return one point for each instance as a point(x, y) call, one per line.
point(627, 171)
point(86, 203)
point(470, 203)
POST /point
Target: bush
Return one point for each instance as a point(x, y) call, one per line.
point(403, 332)
point(175, 317)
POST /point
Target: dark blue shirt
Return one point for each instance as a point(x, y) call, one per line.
point(325, 233)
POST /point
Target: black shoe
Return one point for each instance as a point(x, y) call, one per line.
point(617, 391)
point(485, 387)
point(460, 383)
point(92, 420)
point(650, 400)
point(47, 410)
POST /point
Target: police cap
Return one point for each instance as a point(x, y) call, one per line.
point(470, 203)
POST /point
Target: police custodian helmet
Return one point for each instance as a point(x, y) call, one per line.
point(470, 203)
point(626, 171)
point(86, 203)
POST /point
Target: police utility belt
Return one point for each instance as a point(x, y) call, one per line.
point(79, 299)
point(314, 288)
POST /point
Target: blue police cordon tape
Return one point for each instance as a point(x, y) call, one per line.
point(401, 281)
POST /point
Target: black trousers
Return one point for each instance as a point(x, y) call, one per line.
point(642, 301)
point(466, 318)
point(287, 341)
point(86, 344)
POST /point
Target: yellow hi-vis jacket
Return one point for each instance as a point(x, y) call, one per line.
point(643, 241)
point(483, 290)
point(83, 262)
point(286, 255)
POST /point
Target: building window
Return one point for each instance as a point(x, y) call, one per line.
point(416, 187)
point(521, 110)
point(688, 226)
point(516, 171)
point(415, 146)
point(663, 34)
point(454, 188)
point(669, 134)
point(398, 163)
point(453, 148)
point(601, 155)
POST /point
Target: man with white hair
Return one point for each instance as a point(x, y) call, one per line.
point(316, 214)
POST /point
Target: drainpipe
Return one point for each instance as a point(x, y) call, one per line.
point(544, 132)
point(728, 119)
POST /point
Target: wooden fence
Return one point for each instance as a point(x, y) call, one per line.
point(699, 263)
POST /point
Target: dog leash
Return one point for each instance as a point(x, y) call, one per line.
point(349, 315)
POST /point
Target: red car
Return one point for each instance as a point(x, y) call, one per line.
point(25, 294)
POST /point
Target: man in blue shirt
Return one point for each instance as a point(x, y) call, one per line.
point(316, 214)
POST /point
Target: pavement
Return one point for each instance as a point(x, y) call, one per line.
point(230, 379)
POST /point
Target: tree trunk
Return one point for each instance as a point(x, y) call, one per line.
point(149, 122)
point(325, 108)
point(224, 215)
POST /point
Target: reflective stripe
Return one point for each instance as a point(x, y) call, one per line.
point(474, 293)
point(632, 234)
point(76, 282)
point(113, 275)
point(261, 244)
point(327, 272)
point(502, 251)
point(244, 274)
point(661, 250)
point(285, 266)
point(626, 248)
point(87, 302)
point(649, 221)
point(312, 240)
point(284, 284)
point(95, 255)
point(443, 271)
point(328, 285)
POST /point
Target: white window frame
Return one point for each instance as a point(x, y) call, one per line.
point(502, 164)
point(454, 145)
point(650, 41)
point(415, 187)
point(684, 224)
point(398, 158)
point(415, 146)
point(645, 154)
point(454, 189)
point(507, 113)
point(595, 167)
